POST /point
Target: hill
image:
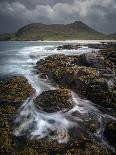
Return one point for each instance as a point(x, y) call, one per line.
point(38, 31)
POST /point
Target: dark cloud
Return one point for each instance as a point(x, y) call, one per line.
point(100, 14)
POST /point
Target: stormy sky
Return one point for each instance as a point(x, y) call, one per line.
point(100, 14)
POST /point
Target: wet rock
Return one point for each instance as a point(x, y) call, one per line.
point(110, 133)
point(54, 100)
point(93, 59)
point(97, 91)
point(14, 90)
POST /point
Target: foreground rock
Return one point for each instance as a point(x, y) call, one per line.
point(54, 100)
point(14, 90)
point(7, 114)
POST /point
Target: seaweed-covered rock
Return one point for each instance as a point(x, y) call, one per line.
point(49, 65)
point(14, 90)
point(6, 123)
point(110, 133)
point(97, 91)
point(73, 147)
point(54, 100)
point(86, 146)
point(89, 81)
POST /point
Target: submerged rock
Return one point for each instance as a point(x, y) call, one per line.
point(14, 90)
point(54, 100)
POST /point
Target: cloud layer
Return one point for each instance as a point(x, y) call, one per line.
point(100, 14)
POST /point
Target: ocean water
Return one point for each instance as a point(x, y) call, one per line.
point(19, 58)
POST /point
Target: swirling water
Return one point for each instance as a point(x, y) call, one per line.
point(19, 58)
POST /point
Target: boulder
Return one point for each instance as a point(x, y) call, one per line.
point(54, 100)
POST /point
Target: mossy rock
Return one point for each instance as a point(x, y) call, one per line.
point(54, 100)
point(14, 90)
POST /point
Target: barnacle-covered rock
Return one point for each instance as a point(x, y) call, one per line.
point(14, 90)
point(54, 100)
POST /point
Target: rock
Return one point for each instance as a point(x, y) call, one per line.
point(50, 64)
point(86, 146)
point(73, 147)
point(66, 47)
point(97, 92)
point(6, 124)
point(54, 100)
point(89, 81)
point(109, 52)
point(93, 59)
point(14, 90)
point(110, 133)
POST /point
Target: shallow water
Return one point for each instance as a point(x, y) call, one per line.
point(20, 58)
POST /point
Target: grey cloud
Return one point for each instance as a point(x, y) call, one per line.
point(99, 14)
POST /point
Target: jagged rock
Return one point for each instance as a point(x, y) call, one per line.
point(54, 100)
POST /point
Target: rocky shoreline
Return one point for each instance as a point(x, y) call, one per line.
point(90, 75)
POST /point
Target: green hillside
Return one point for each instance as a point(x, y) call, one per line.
point(73, 31)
